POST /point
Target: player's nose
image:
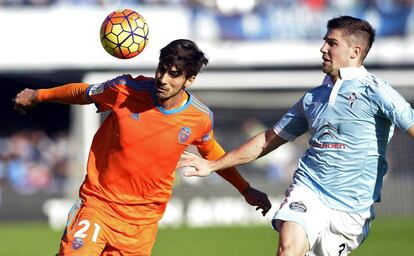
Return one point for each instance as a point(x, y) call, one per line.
point(323, 48)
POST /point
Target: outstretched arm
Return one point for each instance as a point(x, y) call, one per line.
point(258, 146)
point(212, 151)
point(74, 93)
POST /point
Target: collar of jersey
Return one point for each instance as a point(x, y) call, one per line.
point(170, 111)
point(347, 73)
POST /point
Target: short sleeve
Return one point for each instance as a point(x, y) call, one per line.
point(293, 123)
point(393, 106)
point(105, 95)
point(207, 134)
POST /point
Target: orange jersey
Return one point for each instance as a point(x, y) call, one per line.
point(131, 164)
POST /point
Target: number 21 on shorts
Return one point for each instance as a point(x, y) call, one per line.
point(84, 226)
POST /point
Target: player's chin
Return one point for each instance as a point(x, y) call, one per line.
point(161, 94)
point(326, 69)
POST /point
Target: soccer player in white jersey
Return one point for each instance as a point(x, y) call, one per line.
point(350, 118)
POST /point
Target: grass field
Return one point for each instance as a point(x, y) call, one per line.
point(388, 237)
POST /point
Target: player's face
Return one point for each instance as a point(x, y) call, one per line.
point(336, 53)
point(170, 85)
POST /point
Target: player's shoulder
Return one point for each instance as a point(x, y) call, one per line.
point(138, 83)
point(375, 85)
point(318, 88)
point(316, 92)
point(380, 92)
point(199, 107)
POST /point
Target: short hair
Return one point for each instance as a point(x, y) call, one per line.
point(185, 55)
point(358, 28)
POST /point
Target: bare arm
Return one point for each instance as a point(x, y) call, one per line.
point(213, 151)
point(258, 146)
point(410, 131)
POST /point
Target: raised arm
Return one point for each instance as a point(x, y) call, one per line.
point(74, 93)
point(256, 147)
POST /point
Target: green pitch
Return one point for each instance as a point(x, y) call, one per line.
point(388, 237)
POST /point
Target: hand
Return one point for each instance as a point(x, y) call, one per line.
point(24, 100)
point(201, 165)
point(257, 198)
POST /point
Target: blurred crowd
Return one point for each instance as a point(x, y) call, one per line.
point(264, 19)
point(298, 19)
point(32, 161)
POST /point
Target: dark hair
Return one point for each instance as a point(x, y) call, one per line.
point(358, 28)
point(185, 55)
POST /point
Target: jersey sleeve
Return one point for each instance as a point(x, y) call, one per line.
point(208, 133)
point(293, 123)
point(105, 95)
point(393, 106)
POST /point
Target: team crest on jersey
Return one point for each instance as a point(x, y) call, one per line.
point(184, 134)
point(352, 98)
point(77, 243)
point(298, 206)
point(96, 89)
point(135, 116)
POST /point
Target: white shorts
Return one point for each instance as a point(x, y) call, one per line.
point(329, 231)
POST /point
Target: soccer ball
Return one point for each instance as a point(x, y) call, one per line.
point(124, 34)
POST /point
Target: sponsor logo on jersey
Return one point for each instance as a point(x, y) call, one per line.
point(77, 243)
point(184, 134)
point(298, 207)
point(330, 132)
point(329, 145)
point(327, 130)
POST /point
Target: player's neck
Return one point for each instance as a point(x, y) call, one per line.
point(175, 102)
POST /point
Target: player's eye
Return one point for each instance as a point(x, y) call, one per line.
point(331, 42)
point(173, 74)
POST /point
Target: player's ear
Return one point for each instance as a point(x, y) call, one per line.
point(189, 81)
point(356, 52)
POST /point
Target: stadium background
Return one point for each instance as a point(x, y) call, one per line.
point(263, 55)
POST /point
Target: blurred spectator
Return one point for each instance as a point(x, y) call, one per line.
point(394, 16)
point(31, 161)
point(315, 5)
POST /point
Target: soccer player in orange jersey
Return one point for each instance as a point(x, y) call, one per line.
point(132, 160)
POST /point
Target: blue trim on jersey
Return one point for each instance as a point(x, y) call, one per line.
point(140, 85)
point(167, 111)
point(87, 92)
point(72, 212)
point(89, 97)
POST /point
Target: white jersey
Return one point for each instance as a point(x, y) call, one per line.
point(350, 123)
